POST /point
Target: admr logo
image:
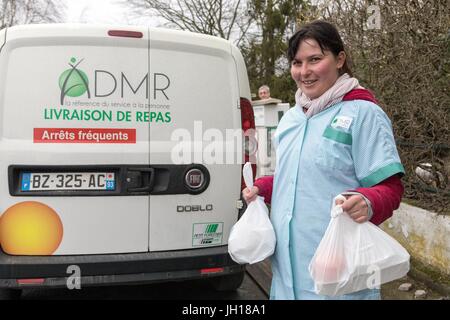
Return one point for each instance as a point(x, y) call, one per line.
point(73, 82)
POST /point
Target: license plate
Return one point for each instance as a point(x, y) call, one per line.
point(61, 181)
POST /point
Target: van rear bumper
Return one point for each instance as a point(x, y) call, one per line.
point(54, 271)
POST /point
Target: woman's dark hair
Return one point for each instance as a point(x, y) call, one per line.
point(326, 36)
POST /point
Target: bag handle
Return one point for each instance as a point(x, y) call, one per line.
point(336, 209)
point(247, 172)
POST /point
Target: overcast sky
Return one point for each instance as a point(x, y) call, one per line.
point(103, 12)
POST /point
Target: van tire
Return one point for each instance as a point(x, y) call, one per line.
point(10, 294)
point(229, 282)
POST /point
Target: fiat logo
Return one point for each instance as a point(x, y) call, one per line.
point(194, 178)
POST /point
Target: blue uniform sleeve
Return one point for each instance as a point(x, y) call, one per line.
point(374, 151)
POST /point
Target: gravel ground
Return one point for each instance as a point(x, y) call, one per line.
point(390, 291)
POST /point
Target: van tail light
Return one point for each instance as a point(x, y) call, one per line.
point(125, 33)
point(249, 129)
point(30, 281)
point(211, 270)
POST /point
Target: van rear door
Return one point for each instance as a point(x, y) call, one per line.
point(71, 138)
point(194, 104)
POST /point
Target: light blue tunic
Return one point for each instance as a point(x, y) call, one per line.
point(344, 147)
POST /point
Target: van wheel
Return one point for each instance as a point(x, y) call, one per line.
point(229, 282)
point(10, 294)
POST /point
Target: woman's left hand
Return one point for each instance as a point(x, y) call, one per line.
point(355, 207)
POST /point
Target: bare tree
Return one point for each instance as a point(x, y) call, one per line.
point(14, 12)
point(405, 60)
point(227, 19)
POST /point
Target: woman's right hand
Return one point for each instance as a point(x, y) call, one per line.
point(250, 194)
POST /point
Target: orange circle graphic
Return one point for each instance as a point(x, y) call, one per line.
point(30, 228)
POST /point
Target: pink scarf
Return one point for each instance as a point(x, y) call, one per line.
point(333, 95)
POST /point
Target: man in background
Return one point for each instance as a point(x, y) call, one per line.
point(264, 92)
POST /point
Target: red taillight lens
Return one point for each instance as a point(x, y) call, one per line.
point(211, 270)
point(246, 125)
point(247, 116)
point(30, 281)
point(125, 33)
point(250, 143)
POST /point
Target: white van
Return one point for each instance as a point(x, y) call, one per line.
point(108, 168)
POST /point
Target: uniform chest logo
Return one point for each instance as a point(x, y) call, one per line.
point(343, 122)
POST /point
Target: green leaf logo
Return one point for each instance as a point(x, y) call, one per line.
point(73, 82)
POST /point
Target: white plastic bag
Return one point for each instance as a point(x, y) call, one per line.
point(252, 238)
point(355, 256)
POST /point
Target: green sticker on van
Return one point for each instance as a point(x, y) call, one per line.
point(204, 234)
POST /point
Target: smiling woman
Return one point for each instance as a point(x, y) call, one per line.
point(336, 140)
point(315, 70)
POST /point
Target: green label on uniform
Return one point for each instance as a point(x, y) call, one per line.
point(337, 135)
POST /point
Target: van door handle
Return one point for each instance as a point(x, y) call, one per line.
point(148, 179)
